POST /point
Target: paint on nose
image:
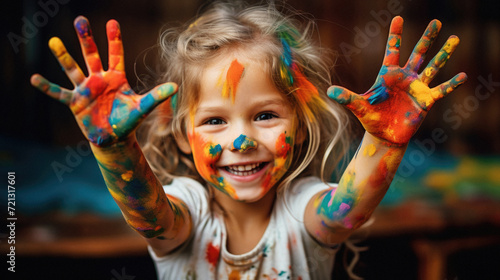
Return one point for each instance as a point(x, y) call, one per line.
point(243, 143)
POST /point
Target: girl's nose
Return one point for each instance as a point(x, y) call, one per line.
point(244, 144)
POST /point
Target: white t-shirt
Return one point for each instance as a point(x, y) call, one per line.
point(285, 251)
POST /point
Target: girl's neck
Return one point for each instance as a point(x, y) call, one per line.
point(245, 222)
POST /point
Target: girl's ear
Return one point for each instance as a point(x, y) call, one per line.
point(183, 144)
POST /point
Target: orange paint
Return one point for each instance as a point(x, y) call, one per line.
point(234, 275)
point(233, 77)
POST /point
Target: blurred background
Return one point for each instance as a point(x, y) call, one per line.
point(439, 220)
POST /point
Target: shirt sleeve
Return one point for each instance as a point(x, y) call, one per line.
point(193, 194)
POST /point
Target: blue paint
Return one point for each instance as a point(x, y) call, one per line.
point(380, 94)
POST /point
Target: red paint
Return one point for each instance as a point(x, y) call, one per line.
point(282, 147)
point(212, 254)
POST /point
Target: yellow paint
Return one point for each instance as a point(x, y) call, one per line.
point(420, 91)
point(127, 175)
point(451, 44)
point(369, 150)
point(372, 116)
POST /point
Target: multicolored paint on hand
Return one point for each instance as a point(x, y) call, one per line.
point(105, 107)
point(108, 112)
point(398, 102)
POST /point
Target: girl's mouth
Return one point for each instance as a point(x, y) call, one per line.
point(245, 170)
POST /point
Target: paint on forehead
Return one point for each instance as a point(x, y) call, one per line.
point(243, 143)
point(233, 77)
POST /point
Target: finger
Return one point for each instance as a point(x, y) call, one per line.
point(445, 88)
point(423, 45)
point(115, 46)
point(394, 42)
point(439, 60)
point(52, 90)
point(156, 96)
point(349, 99)
point(67, 62)
point(87, 43)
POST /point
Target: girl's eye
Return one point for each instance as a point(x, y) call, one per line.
point(265, 116)
point(214, 122)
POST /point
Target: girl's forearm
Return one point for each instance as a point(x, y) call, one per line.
point(361, 187)
point(135, 188)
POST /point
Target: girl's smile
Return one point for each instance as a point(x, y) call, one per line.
point(241, 131)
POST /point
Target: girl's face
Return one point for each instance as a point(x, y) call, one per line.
point(241, 132)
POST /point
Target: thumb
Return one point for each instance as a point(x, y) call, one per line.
point(157, 95)
point(341, 95)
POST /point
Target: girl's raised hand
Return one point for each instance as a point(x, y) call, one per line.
point(398, 102)
point(105, 107)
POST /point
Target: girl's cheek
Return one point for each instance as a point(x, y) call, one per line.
point(282, 160)
point(205, 154)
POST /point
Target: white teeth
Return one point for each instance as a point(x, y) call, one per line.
point(243, 170)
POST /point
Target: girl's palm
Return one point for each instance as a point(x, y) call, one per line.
point(400, 98)
point(104, 105)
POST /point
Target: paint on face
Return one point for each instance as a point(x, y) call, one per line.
point(205, 155)
point(243, 143)
point(233, 77)
point(282, 160)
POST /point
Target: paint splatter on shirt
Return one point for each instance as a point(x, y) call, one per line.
point(282, 252)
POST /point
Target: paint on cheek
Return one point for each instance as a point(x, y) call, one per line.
point(283, 145)
point(243, 143)
point(233, 77)
point(281, 162)
point(206, 155)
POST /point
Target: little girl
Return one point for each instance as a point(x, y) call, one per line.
point(243, 143)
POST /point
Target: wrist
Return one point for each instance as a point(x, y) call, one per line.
point(385, 142)
point(122, 148)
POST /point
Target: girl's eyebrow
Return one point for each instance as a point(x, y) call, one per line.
point(256, 104)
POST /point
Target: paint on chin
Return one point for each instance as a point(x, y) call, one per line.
point(233, 77)
point(205, 155)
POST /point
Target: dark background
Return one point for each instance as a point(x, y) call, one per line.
point(37, 133)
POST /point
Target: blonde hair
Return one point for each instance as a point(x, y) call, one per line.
point(272, 36)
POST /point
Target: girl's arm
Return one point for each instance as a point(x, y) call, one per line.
point(108, 113)
point(391, 112)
